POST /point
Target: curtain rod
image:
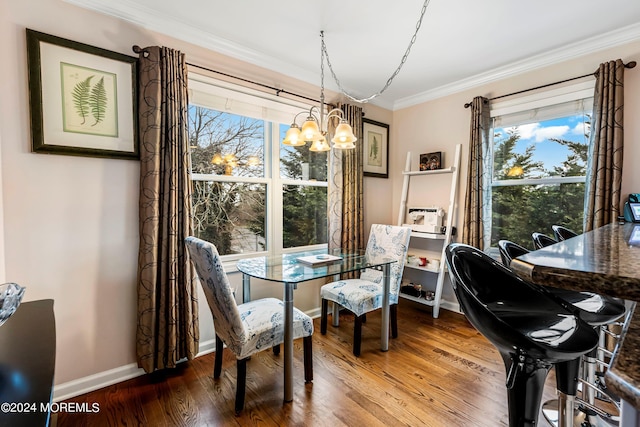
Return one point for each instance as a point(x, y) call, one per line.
point(275, 89)
point(630, 64)
point(137, 49)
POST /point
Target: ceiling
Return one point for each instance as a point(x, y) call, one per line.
point(461, 43)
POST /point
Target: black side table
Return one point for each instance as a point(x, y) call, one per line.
point(27, 364)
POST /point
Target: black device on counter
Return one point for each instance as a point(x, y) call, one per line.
point(634, 237)
point(632, 208)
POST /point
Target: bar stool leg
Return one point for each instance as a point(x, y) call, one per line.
point(566, 403)
point(602, 343)
point(589, 375)
point(571, 410)
point(563, 412)
point(525, 381)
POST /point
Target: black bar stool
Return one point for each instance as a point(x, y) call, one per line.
point(531, 329)
point(597, 311)
point(593, 308)
point(541, 240)
point(562, 233)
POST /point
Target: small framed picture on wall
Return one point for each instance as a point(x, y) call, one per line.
point(431, 161)
point(376, 148)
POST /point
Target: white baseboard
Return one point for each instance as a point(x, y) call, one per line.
point(451, 306)
point(96, 381)
point(112, 376)
point(315, 313)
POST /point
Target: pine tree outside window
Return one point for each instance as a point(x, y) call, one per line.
point(538, 163)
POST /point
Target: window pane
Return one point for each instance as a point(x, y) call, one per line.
point(520, 210)
point(230, 215)
point(556, 147)
point(547, 149)
point(304, 215)
point(226, 144)
point(300, 162)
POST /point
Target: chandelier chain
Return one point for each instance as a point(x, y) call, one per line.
point(325, 54)
point(321, 82)
point(322, 69)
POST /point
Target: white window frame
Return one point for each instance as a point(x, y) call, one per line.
point(529, 106)
point(207, 92)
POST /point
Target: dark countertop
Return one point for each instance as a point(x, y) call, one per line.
point(602, 261)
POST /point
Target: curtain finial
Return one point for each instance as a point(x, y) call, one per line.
point(137, 49)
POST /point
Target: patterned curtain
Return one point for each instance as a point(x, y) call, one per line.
point(477, 205)
point(167, 298)
point(604, 168)
point(346, 218)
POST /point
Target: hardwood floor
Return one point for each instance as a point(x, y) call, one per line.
point(438, 372)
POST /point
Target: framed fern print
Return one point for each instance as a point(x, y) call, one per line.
point(82, 98)
point(375, 138)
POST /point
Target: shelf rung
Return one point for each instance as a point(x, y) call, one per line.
point(430, 172)
point(418, 300)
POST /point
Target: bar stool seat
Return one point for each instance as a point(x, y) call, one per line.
point(593, 308)
point(531, 329)
point(541, 240)
point(562, 233)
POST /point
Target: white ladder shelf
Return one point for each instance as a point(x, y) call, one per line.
point(445, 239)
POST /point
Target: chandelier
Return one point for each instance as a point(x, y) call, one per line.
point(314, 129)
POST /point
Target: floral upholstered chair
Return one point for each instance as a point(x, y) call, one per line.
point(246, 328)
point(363, 295)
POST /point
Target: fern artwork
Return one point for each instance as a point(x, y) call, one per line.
point(373, 157)
point(89, 101)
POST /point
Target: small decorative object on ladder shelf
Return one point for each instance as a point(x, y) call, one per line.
point(426, 220)
point(431, 161)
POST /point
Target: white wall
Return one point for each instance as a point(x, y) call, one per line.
point(70, 223)
point(2, 267)
point(3, 12)
point(378, 205)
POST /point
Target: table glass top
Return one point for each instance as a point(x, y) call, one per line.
point(287, 268)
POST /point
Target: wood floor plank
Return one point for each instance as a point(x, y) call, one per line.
point(438, 372)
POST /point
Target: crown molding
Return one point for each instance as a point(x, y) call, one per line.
point(608, 40)
point(184, 31)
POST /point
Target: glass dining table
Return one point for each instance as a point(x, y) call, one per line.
point(287, 269)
